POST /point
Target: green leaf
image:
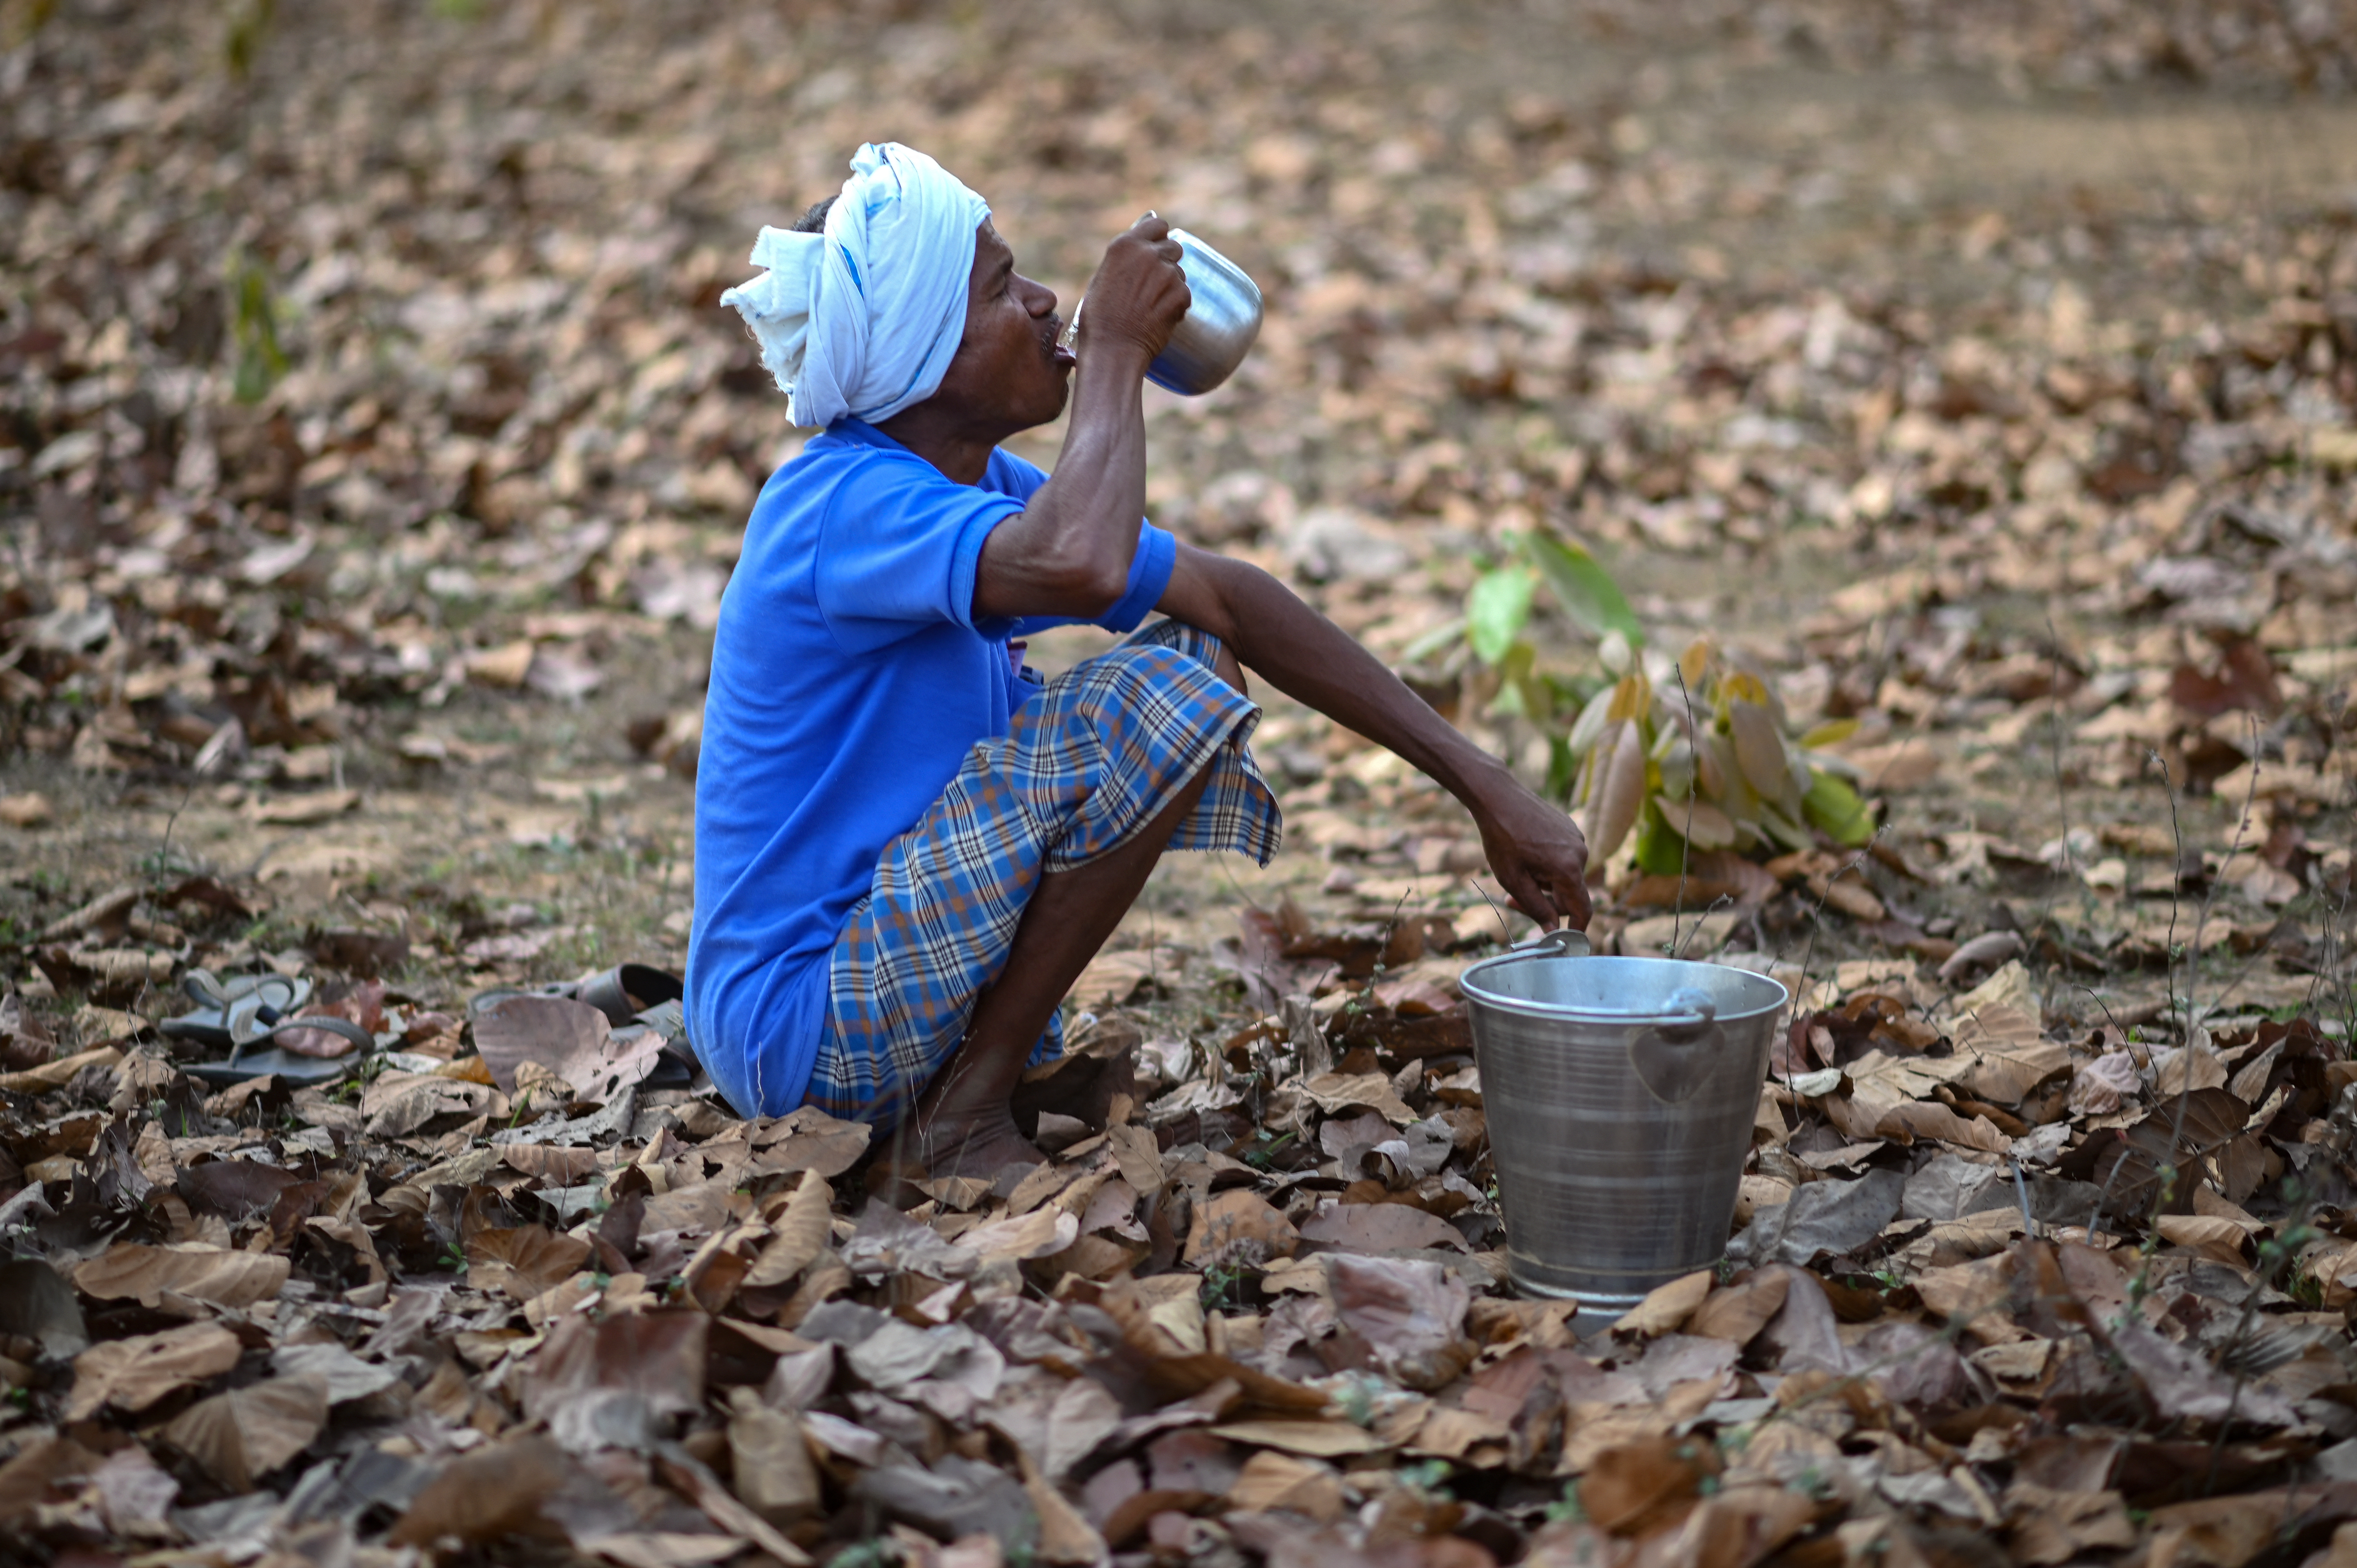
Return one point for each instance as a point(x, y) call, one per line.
point(1582, 587)
point(1833, 732)
point(255, 329)
point(1497, 610)
point(1562, 769)
point(1518, 692)
point(1776, 825)
point(1433, 641)
point(1830, 804)
point(1660, 851)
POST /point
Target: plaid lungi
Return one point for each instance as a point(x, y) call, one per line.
point(1095, 755)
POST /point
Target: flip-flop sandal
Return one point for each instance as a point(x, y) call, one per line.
point(256, 1057)
point(483, 1001)
point(629, 990)
point(675, 1068)
point(234, 1009)
point(621, 993)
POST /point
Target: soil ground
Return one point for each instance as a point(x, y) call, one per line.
point(1882, 180)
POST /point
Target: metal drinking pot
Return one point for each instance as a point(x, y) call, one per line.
point(1218, 329)
point(1620, 1094)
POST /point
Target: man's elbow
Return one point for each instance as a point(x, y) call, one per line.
point(1085, 588)
point(1100, 583)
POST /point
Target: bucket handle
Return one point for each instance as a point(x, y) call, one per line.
point(1673, 1057)
point(1560, 943)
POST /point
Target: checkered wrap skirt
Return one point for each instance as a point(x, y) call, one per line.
point(1090, 759)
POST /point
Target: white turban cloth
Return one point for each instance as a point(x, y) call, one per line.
point(865, 318)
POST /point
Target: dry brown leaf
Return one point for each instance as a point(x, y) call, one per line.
point(2184, 1386)
point(553, 1166)
point(1139, 1156)
point(1851, 897)
point(1113, 978)
point(1619, 791)
point(1974, 1293)
point(2196, 1069)
point(219, 1275)
point(1333, 1092)
point(1378, 1228)
point(688, 1475)
point(1899, 765)
point(245, 1433)
point(234, 1188)
point(2051, 1525)
point(1879, 1082)
point(1666, 1308)
point(1238, 1225)
point(2211, 1236)
point(1271, 1480)
point(525, 1262)
point(1033, 1235)
point(616, 1380)
point(808, 1139)
point(1065, 1537)
point(303, 810)
point(132, 1374)
point(60, 1072)
point(1743, 1309)
point(797, 1235)
point(1411, 1315)
point(1456, 1434)
point(489, 1493)
point(2010, 987)
point(399, 1103)
point(1318, 1439)
point(569, 1038)
point(26, 808)
point(659, 1549)
point(504, 667)
point(1636, 1487)
point(2011, 1058)
point(1929, 1119)
point(2223, 1532)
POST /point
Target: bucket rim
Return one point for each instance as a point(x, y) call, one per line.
point(1469, 982)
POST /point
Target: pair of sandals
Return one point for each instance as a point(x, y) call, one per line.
point(632, 996)
point(244, 1015)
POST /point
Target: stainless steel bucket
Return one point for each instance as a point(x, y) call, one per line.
point(1620, 1094)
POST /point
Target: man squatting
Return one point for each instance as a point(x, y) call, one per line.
point(906, 843)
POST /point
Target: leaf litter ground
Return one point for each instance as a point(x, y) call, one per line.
point(376, 488)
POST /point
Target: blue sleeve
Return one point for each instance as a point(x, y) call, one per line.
point(1149, 578)
point(1012, 476)
point(1150, 568)
point(898, 550)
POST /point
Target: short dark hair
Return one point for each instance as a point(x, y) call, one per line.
point(814, 220)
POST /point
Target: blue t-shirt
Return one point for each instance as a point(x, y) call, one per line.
point(850, 681)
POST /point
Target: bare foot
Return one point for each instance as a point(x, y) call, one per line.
point(971, 1144)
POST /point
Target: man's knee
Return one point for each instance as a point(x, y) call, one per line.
point(1223, 658)
point(1131, 680)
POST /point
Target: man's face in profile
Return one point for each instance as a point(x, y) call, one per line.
point(1008, 366)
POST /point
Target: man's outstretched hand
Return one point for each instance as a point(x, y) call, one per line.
point(1538, 854)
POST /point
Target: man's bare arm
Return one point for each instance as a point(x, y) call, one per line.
point(1069, 552)
point(1536, 851)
